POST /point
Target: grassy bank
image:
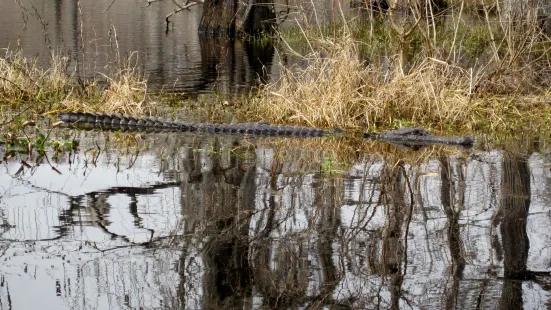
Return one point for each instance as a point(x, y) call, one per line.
point(31, 94)
point(25, 84)
point(449, 72)
point(446, 72)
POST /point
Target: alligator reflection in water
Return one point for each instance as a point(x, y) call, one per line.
point(217, 224)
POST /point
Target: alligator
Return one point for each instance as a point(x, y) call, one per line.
point(403, 136)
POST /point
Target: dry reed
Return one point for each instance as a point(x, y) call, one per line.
point(338, 90)
point(508, 90)
point(22, 80)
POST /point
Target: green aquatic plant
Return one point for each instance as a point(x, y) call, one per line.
point(25, 137)
point(330, 166)
point(211, 150)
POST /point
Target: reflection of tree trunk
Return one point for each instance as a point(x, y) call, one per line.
point(217, 59)
point(327, 229)
point(259, 58)
point(454, 237)
point(219, 201)
point(280, 268)
point(392, 237)
point(263, 247)
point(515, 203)
point(240, 62)
point(228, 273)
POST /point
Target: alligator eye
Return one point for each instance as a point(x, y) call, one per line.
point(466, 140)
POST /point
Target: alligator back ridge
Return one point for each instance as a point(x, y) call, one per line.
point(404, 136)
point(116, 121)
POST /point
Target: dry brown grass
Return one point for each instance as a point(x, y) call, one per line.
point(21, 77)
point(321, 94)
point(336, 89)
point(23, 81)
point(125, 92)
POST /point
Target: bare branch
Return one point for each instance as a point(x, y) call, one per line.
point(181, 8)
point(109, 6)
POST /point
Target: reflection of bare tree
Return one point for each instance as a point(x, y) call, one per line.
point(449, 204)
point(283, 271)
point(512, 217)
point(394, 188)
point(280, 272)
point(228, 278)
point(219, 198)
point(93, 208)
point(327, 227)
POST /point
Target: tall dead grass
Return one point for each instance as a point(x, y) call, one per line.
point(20, 77)
point(336, 89)
point(325, 92)
point(505, 89)
point(24, 81)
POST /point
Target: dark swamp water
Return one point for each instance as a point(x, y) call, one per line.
point(190, 221)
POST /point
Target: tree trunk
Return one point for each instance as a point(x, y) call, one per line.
point(230, 17)
point(255, 16)
point(218, 18)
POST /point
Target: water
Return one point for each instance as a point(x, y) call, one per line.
point(191, 221)
point(175, 60)
point(211, 221)
point(103, 34)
